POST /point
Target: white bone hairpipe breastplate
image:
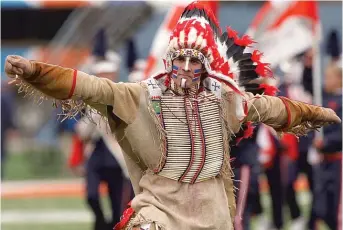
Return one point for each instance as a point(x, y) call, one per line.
point(194, 141)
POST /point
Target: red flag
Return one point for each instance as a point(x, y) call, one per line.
point(283, 29)
point(76, 156)
point(266, 140)
point(290, 141)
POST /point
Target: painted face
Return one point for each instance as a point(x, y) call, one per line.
point(187, 71)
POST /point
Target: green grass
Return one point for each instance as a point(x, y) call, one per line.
point(36, 165)
point(78, 203)
point(45, 204)
point(56, 203)
point(64, 203)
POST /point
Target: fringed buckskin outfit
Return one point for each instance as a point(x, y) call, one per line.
point(175, 140)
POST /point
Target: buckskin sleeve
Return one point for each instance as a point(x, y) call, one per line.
point(65, 83)
point(286, 115)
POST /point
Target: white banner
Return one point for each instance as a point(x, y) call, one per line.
point(289, 39)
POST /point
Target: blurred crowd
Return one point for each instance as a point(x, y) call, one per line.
point(94, 156)
point(283, 159)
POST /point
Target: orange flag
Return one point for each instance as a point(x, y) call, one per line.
point(283, 29)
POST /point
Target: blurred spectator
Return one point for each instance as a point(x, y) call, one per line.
point(137, 73)
point(103, 160)
point(307, 72)
point(131, 55)
point(246, 170)
point(135, 66)
point(332, 45)
point(270, 158)
point(329, 182)
point(7, 123)
point(333, 50)
point(297, 85)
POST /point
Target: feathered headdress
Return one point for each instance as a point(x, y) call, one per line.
point(198, 34)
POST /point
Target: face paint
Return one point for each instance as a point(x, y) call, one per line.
point(175, 69)
point(187, 63)
point(197, 74)
point(183, 83)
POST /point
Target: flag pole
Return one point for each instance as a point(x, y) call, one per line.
point(317, 80)
point(313, 155)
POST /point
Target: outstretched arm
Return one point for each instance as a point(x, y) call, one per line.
point(65, 83)
point(286, 115)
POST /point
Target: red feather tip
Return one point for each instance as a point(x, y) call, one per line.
point(248, 132)
point(244, 41)
point(225, 68)
point(201, 6)
point(231, 33)
point(239, 140)
point(269, 89)
point(263, 70)
point(125, 218)
point(256, 56)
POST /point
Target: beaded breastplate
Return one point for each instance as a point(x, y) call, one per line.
point(194, 140)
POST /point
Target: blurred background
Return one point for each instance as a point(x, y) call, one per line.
point(39, 188)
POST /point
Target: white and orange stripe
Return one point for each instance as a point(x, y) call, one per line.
point(283, 29)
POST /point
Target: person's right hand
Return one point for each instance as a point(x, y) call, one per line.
point(18, 67)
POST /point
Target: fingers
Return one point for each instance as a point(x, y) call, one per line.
point(332, 116)
point(8, 67)
point(15, 65)
point(17, 61)
point(336, 119)
point(9, 70)
point(17, 70)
